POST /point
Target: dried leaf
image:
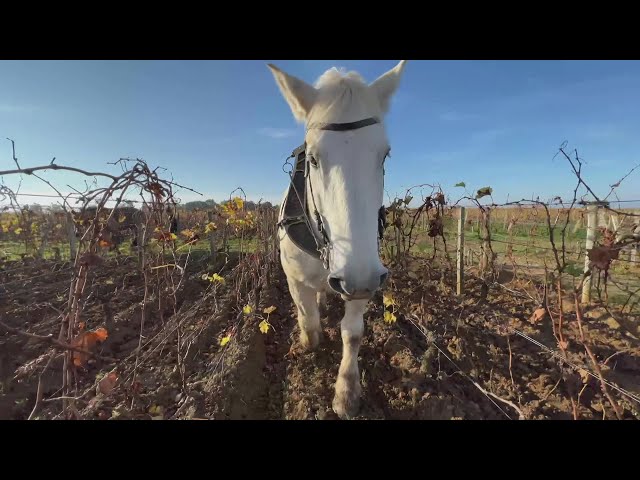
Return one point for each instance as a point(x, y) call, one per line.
point(612, 323)
point(483, 192)
point(107, 384)
point(101, 334)
point(436, 228)
point(157, 189)
point(602, 256)
point(166, 236)
point(85, 341)
point(538, 315)
point(270, 310)
point(584, 374)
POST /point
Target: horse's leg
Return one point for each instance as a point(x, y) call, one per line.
point(346, 401)
point(322, 302)
point(308, 314)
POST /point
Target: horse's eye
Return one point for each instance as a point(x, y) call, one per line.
point(313, 161)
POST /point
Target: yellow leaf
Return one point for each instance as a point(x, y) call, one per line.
point(155, 410)
point(225, 340)
point(389, 317)
point(211, 227)
point(216, 278)
point(264, 326)
point(247, 309)
point(239, 203)
point(187, 233)
point(388, 300)
point(173, 236)
point(17, 231)
point(270, 310)
point(121, 219)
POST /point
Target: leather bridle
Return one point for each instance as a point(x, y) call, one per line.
point(322, 241)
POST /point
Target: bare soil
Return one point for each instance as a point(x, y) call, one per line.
point(426, 365)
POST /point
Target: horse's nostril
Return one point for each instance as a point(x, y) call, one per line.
point(337, 285)
point(383, 278)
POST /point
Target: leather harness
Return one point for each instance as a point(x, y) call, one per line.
point(295, 210)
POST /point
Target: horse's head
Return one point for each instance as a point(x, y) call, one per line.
point(346, 146)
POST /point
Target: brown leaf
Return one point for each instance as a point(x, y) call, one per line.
point(107, 384)
point(538, 315)
point(601, 257)
point(85, 341)
point(157, 189)
point(435, 227)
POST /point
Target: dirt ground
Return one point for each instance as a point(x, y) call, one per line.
point(443, 358)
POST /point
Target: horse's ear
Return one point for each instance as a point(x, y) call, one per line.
point(299, 95)
point(387, 84)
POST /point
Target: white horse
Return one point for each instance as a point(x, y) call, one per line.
point(332, 239)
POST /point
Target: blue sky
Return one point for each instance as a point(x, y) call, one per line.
point(217, 125)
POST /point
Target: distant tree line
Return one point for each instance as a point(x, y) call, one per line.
point(249, 205)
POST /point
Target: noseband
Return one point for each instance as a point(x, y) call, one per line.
point(295, 209)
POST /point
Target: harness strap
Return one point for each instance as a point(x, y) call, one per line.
point(295, 215)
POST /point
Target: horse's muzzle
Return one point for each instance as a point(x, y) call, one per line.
point(347, 292)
